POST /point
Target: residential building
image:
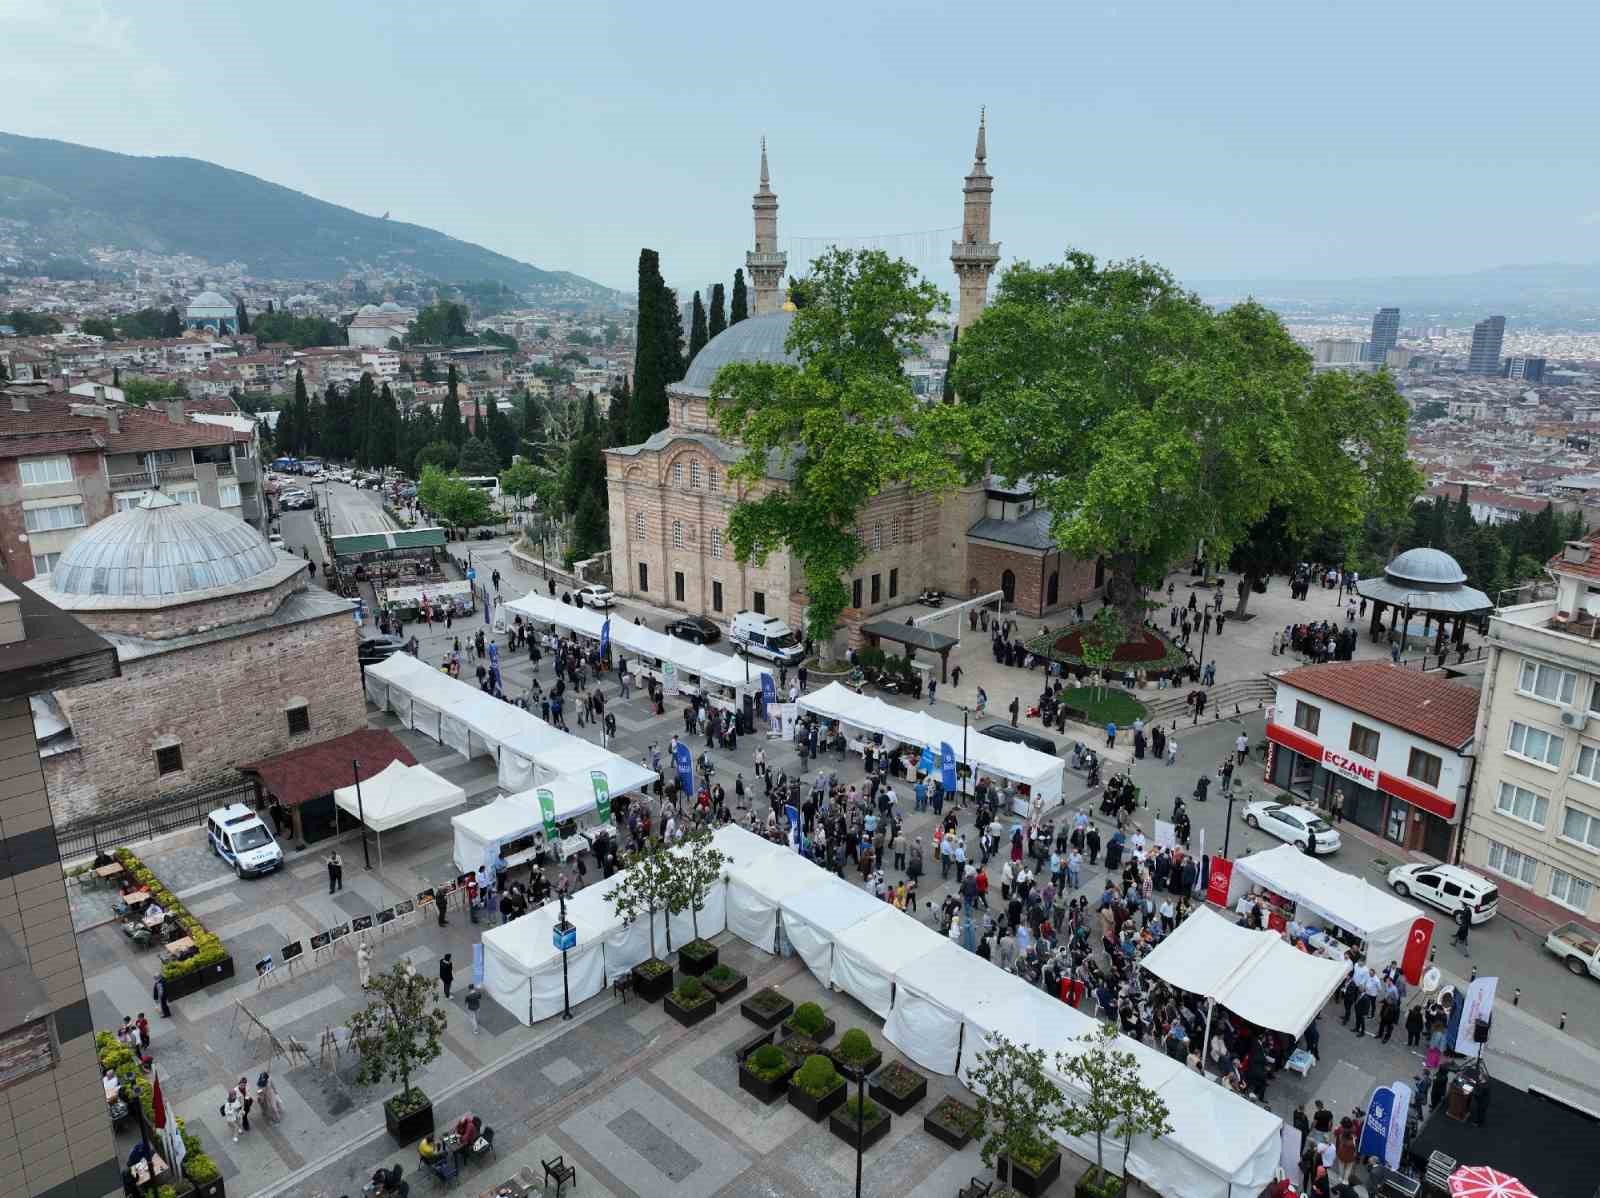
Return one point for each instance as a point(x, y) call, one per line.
point(375, 325)
point(1487, 336)
point(1385, 332)
point(1336, 351)
point(1535, 819)
point(55, 1138)
point(1520, 367)
point(1396, 743)
point(382, 364)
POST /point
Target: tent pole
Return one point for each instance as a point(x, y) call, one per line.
point(1205, 1049)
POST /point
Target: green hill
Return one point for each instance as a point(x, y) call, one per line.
point(70, 198)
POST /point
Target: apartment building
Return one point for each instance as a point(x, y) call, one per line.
point(1535, 818)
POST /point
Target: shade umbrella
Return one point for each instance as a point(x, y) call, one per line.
point(1480, 1181)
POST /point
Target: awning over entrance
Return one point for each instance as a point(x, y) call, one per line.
point(320, 769)
point(910, 634)
point(1411, 792)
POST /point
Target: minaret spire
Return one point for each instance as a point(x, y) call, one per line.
point(765, 264)
point(983, 148)
point(974, 256)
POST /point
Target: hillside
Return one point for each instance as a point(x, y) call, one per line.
point(69, 198)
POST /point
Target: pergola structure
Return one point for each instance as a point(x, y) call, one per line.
point(1428, 581)
point(912, 637)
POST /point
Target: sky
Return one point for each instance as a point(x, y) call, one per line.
point(1225, 140)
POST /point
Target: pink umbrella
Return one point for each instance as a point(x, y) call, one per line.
point(1480, 1181)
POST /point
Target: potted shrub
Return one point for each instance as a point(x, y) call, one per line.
point(765, 1073)
point(697, 957)
point(809, 1021)
point(690, 1002)
point(647, 888)
point(952, 1122)
point(767, 1008)
point(816, 1088)
point(652, 979)
point(396, 1034)
point(898, 1087)
point(1115, 1101)
point(860, 1122)
point(1020, 1108)
point(724, 981)
point(697, 866)
point(855, 1054)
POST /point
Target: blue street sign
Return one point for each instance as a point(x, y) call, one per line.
point(472, 573)
point(564, 936)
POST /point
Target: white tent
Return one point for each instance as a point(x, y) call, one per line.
point(814, 917)
point(1383, 921)
point(1254, 974)
point(396, 795)
point(480, 833)
point(522, 967)
point(757, 888)
point(867, 955)
point(930, 995)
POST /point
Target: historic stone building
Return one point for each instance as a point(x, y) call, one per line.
point(671, 499)
point(226, 656)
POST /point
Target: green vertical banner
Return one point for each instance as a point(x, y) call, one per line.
point(547, 809)
point(602, 795)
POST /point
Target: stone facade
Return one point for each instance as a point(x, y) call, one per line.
point(1031, 573)
point(163, 621)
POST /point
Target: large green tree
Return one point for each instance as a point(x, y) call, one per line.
point(478, 458)
point(171, 323)
point(241, 318)
point(697, 328)
point(658, 350)
point(739, 307)
point(719, 316)
point(843, 419)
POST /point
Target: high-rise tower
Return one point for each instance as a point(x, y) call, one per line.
point(1487, 337)
point(974, 256)
point(765, 264)
point(1385, 332)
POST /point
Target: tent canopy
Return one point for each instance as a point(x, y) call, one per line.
point(1376, 916)
point(1254, 974)
point(867, 955)
point(399, 795)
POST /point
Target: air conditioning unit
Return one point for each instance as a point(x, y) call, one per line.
point(1575, 718)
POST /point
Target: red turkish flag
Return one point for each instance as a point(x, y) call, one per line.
point(158, 1108)
point(1220, 879)
point(1417, 943)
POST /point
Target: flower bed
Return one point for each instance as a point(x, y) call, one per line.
point(208, 953)
point(952, 1122)
point(114, 1054)
point(690, 1002)
point(767, 1008)
point(1146, 650)
point(724, 981)
point(898, 1087)
point(652, 979)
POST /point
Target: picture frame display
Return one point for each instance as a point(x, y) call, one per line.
point(339, 932)
point(386, 915)
point(361, 923)
point(405, 908)
point(320, 940)
point(291, 951)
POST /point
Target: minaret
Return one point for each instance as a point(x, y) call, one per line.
point(765, 264)
point(974, 256)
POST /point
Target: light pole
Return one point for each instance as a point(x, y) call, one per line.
point(564, 929)
point(361, 814)
point(961, 777)
point(861, 1081)
point(1227, 829)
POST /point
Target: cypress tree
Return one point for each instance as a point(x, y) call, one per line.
point(241, 318)
point(450, 427)
point(697, 328)
point(116, 376)
point(171, 324)
point(269, 307)
point(719, 317)
point(617, 415)
point(950, 369)
point(298, 416)
point(740, 307)
point(477, 429)
point(367, 419)
point(654, 358)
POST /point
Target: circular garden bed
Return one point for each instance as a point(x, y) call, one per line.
point(1146, 650)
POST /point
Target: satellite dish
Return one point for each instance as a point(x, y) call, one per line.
point(1430, 980)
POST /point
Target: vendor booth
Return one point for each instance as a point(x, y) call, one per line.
point(1336, 911)
point(522, 966)
point(815, 917)
point(516, 828)
point(867, 955)
point(757, 888)
point(439, 597)
point(397, 796)
point(931, 995)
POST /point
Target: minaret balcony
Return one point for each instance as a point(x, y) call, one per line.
point(755, 261)
point(976, 253)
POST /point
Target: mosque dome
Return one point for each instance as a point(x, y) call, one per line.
point(389, 306)
point(162, 549)
point(757, 339)
point(367, 310)
point(211, 299)
point(1426, 567)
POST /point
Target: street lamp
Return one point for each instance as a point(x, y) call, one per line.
point(960, 777)
point(361, 814)
point(565, 938)
point(861, 1082)
point(1227, 829)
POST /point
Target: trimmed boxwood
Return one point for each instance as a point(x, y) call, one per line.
point(652, 979)
point(952, 1122)
point(809, 1021)
point(898, 1087)
point(765, 1073)
point(816, 1088)
point(724, 981)
point(855, 1055)
point(767, 1008)
point(208, 949)
point(696, 957)
point(875, 1122)
point(690, 1002)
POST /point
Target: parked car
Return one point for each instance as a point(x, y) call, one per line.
point(1300, 826)
point(594, 595)
point(374, 649)
point(1020, 736)
point(767, 637)
point(294, 501)
point(696, 630)
point(1447, 887)
point(1577, 947)
point(238, 836)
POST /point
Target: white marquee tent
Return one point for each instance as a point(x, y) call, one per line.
point(397, 795)
point(931, 993)
point(756, 891)
point(813, 918)
point(867, 955)
point(480, 833)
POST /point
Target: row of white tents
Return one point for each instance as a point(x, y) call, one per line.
point(1041, 772)
point(942, 1005)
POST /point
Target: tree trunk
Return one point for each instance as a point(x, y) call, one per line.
point(1122, 590)
point(1247, 584)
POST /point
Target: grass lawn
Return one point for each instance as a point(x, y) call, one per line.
point(1109, 705)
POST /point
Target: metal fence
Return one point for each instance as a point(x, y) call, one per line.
point(146, 821)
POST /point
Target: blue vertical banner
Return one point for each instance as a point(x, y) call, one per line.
point(925, 762)
point(477, 964)
point(683, 760)
point(605, 636)
point(1375, 1130)
point(947, 766)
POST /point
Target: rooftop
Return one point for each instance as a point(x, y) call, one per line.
point(1424, 705)
point(757, 339)
point(316, 770)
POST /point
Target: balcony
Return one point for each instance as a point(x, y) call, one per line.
point(139, 480)
point(978, 252)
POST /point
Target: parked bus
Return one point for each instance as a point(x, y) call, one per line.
point(484, 482)
point(286, 465)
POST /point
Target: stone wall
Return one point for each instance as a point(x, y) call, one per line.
point(168, 620)
point(221, 703)
point(988, 562)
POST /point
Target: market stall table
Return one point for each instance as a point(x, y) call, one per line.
point(136, 898)
point(107, 872)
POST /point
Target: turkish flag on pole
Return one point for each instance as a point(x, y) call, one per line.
point(1220, 879)
point(1417, 944)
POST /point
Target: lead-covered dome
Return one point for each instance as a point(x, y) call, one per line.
point(162, 548)
point(211, 299)
point(1426, 567)
point(758, 339)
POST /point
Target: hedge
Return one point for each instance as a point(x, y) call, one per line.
point(209, 950)
point(114, 1054)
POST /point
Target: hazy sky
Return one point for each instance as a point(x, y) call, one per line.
point(1243, 139)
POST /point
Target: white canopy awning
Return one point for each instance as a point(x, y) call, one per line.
point(867, 955)
point(1254, 974)
point(931, 994)
point(398, 795)
point(814, 917)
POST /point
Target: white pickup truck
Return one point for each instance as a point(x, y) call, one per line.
point(1578, 947)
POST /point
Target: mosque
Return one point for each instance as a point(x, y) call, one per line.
point(212, 311)
point(670, 497)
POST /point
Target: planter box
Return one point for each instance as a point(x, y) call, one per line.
point(955, 1135)
point(695, 966)
point(1024, 1180)
point(843, 1125)
point(689, 1016)
point(766, 1018)
point(1097, 1184)
point(817, 1109)
point(855, 1072)
point(820, 1036)
point(198, 979)
point(407, 1129)
point(767, 1092)
point(651, 988)
point(892, 1101)
point(211, 1189)
point(726, 990)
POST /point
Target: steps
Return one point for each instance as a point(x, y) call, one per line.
point(1247, 694)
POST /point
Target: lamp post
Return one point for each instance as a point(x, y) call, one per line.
point(861, 1082)
point(564, 932)
point(1227, 829)
point(361, 814)
point(960, 777)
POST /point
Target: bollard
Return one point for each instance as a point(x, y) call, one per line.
point(1474, 976)
point(1433, 952)
point(1563, 1025)
point(1516, 997)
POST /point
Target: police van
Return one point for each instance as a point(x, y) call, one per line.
point(238, 836)
point(767, 637)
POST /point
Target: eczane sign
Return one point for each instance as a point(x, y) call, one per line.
point(1358, 771)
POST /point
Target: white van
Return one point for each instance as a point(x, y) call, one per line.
point(766, 636)
point(238, 836)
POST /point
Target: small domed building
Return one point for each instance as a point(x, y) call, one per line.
point(212, 310)
point(1428, 582)
point(228, 655)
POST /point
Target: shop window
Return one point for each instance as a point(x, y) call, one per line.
point(894, 582)
point(169, 760)
point(1396, 827)
point(299, 719)
point(1579, 826)
point(1363, 740)
point(1570, 891)
point(1534, 744)
point(1519, 867)
point(855, 593)
point(1306, 717)
point(1522, 804)
point(1424, 767)
point(1539, 681)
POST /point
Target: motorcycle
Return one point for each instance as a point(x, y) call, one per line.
point(931, 598)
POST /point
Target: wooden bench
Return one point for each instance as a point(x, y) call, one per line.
point(622, 985)
point(754, 1042)
point(560, 1172)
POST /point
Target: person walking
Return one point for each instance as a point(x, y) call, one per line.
point(447, 975)
point(1242, 748)
point(267, 1095)
point(1172, 748)
point(364, 964)
point(245, 1103)
point(1016, 710)
point(159, 993)
point(1463, 928)
point(474, 999)
point(335, 871)
point(1414, 1027)
point(233, 1113)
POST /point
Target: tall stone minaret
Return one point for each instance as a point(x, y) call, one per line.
point(765, 264)
point(974, 256)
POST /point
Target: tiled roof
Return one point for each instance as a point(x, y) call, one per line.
point(1584, 569)
point(316, 770)
point(1422, 704)
point(143, 429)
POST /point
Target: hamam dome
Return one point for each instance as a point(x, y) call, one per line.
point(758, 339)
point(162, 548)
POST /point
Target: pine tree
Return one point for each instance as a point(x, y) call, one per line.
point(450, 427)
point(171, 324)
point(269, 308)
point(719, 318)
point(241, 318)
point(697, 328)
point(298, 416)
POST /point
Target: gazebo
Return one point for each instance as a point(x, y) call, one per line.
point(1428, 581)
point(912, 637)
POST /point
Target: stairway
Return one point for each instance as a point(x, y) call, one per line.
point(1247, 694)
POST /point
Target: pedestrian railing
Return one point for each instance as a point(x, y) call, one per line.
point(147, 820)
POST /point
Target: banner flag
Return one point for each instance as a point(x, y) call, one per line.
point(947, 766)
point(602, 795)
point(547, 811)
